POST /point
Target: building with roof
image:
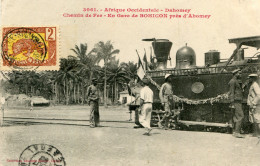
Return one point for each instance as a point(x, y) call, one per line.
point(125, 98)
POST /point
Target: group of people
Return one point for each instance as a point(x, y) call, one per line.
point(253, 101)
point(145, 98)
point(145, 101)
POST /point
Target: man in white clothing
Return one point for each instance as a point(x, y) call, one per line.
point(146, 100)
point(254, 103)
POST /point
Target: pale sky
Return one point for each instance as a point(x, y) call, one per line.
point(229, 19)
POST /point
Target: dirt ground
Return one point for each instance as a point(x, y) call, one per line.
point(117, 143)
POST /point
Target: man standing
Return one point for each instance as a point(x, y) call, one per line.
point(166, 100)
point(31, 103)
point(2, 102)
point(254, 103)
point(93, 99)
point(236, 96)
point(146, 100)
point(134, 90)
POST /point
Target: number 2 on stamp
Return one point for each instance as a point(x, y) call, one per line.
point(50, 34)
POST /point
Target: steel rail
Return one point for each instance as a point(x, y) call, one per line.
point(25, 119)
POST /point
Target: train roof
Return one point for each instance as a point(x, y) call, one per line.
point(253, 41)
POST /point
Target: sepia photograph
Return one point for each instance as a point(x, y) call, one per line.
point(122, 83)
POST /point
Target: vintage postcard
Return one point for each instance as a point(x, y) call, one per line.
point(110, 82)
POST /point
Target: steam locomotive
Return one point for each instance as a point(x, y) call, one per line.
point(201, 93)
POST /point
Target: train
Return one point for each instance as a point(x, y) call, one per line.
point(201, 92)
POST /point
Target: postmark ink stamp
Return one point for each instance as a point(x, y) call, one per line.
point(29, 48)
point(41, 155)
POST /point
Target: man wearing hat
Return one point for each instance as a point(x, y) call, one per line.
point(165, 95)
point(254, 103)
point(134, 89)
point(93, 99)
point(146, 100)
point(236, 96)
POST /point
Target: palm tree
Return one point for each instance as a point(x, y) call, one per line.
point(130, 68)
point(86, 66)
point(26, 79)
point(16, 81)
point(86, 61)
point(105, 51)
point(46, 84)
point(117, 77)
point(65, 74)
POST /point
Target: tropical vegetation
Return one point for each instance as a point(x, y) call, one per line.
point(68, 85)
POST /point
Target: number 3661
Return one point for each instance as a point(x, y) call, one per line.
point(89, 10)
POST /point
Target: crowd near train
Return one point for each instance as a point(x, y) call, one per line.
point(221, 96)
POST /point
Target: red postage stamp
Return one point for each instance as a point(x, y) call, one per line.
point(30, 48)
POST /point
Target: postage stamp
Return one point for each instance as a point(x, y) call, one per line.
point(30, 48)
point(41, 154)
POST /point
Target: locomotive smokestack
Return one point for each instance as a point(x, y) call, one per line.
point(161, 49)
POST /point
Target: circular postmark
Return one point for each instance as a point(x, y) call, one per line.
point(41, 155)
point(23, 48)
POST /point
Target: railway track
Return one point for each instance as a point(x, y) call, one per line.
point(79, 122)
